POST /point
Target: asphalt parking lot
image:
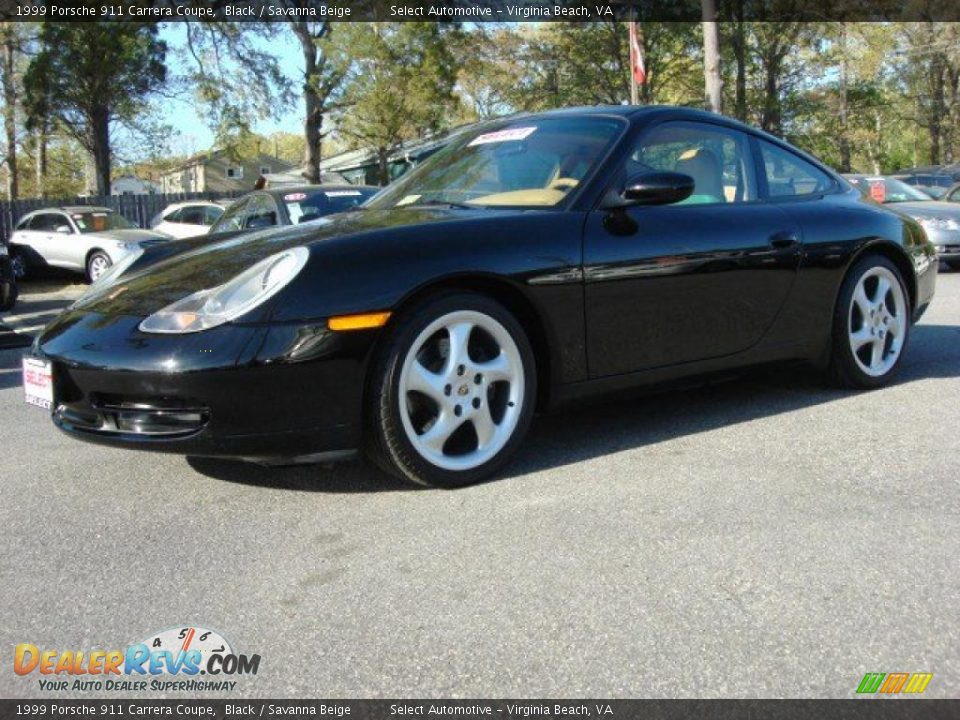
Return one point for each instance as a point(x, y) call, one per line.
point(768, 537)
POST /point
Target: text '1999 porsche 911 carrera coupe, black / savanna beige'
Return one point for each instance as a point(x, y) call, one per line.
point(534, 260)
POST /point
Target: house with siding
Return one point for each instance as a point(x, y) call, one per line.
point(216, 171)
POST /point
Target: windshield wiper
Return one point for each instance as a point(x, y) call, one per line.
point(434, 202)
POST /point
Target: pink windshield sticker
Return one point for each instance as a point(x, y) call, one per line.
point(520, 133)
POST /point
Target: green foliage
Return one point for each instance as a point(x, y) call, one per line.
point(234, 76)
point(89, 76)
point(401, 83)
point(83, 69)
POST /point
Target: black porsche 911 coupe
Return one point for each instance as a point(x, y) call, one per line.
point(535, 259)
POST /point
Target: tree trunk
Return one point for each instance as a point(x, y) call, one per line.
point(936, 131)
point(383, 174)
point(844, 125)
point(711, 57)
point(771, 120)
point(938, 97)
point(313, 120)
point(10, 108)
point(41, 166)
point(100, 149)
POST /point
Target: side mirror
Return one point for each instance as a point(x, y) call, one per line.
point(64, 229)
point(653, 188)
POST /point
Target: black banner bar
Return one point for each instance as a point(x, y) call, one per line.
point(474, 10)
point(117, 709)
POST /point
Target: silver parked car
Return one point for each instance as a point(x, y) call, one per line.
point(81, 238)
point(940, 220)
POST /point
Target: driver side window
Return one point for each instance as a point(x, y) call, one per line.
point(717, 159)
point(261, 213)
point(232, 219)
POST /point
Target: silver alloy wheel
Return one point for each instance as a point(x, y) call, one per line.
point(461, 390)
point(98, 266)
point(877, 321)
point(19, 266)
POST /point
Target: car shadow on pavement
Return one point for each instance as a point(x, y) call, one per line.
point(609, 425)
point(353, 476)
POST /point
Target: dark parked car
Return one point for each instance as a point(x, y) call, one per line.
point(290, 206)
point(953, 194)
point(941, 220)
point(534, 260)
point(934, 180)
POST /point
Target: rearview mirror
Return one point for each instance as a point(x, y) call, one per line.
point(654, 188)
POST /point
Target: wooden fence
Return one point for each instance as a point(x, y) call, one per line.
point(138, 209)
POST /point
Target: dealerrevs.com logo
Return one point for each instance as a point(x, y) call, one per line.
point(894, 683)
point(172, 660)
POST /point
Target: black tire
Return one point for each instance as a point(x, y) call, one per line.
point(8, 295)
point(385, 440)
point(843, 368)
point(95, 256)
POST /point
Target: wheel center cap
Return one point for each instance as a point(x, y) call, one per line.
point(463, 390)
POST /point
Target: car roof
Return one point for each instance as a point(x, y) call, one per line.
point(73, 209)
point(288, 189)
point(186, 203)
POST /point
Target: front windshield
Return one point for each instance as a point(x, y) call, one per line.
point(533, 162)
point(91, 222)
point(888, 190)
point(306, 205)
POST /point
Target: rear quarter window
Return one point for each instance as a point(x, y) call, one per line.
point(789, 175)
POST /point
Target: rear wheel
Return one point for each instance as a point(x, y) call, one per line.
point(871, 324)
point(452, 393)
point(97, 264)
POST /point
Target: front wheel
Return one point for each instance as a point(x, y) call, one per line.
point(871, 324)
point(452, 393)
point(97, 264)
point(18, 264)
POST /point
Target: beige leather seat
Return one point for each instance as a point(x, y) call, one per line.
point(704, 167)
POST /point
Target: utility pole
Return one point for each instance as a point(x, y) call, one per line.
point(844, 123)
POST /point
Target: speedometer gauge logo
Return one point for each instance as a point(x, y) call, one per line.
point(185, 639)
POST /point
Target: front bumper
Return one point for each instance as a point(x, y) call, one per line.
point(946, 242)
point(265, 392)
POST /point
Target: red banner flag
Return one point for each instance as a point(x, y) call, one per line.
point(636, 57)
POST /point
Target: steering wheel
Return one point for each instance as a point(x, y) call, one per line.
point(563, 183)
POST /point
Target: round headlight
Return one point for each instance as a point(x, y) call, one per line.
point(208, 308)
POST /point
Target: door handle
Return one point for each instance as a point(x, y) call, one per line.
point(783, 240)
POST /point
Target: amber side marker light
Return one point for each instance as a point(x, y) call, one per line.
point(365, 321)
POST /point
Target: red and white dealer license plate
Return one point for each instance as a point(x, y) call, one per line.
point(37, 382)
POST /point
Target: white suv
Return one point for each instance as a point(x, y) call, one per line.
point(86, 239)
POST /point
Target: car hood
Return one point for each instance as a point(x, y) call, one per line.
point(131, 235)
point(218, 260)
point(927, 208)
